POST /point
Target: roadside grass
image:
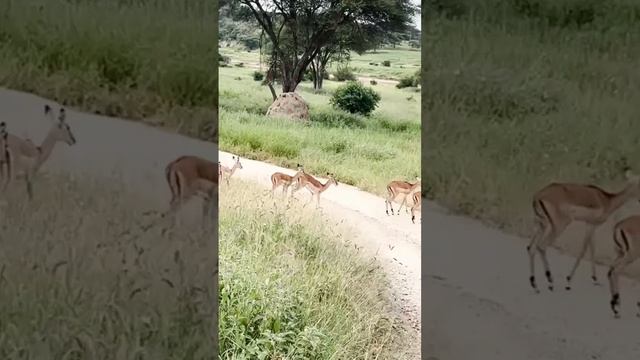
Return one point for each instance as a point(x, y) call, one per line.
point(517, 103)
point(293, 287)
point(361, 151)
point(152, 60)
point(404, 61)
point(80, 279)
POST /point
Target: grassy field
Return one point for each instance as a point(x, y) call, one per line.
point(293, 287)
point(404, 61)
point(366, 152)
point(80, 279)
point(151, 60)
point(528, 93)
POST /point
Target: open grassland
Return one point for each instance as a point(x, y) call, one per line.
point(364, 151)
point(403, 61)
point(152, 60)
point(80, 279)
point(293, 287)
point(523, 93)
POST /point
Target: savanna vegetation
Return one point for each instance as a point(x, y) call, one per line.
point(366, 151)
point(147, 60)
point(525, 92)
point(81, 278)
point(293, 287)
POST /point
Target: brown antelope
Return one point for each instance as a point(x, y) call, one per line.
point(417, 205)
point(396, 188)
point(189, 176)
point(227, 172)
point(284, 180)
point(626, 239)
point(313, 185)
point(557, 205)
point(27, 158)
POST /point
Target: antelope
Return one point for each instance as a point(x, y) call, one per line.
point(396, 188)
point(226, 172)
point(417, 205)
point(284, 180)
point(314, 186)
point(27, 158)
point(559, 204)
point(626, 239)
point(189, 176)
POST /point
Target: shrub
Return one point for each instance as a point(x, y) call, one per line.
point(240, 64)
point(386, 63)
point(355, 98)
point(344, 73)
point(373, 82)
point(410, 81)
point(258, 75)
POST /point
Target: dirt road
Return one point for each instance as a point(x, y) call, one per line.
point(479, 304)
point(393, 240)
point(139, 154)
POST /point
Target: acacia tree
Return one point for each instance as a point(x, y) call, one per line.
point(298, 30)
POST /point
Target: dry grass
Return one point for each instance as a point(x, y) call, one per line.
point(81, 280)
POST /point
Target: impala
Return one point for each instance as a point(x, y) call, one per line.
point(397, 188)
point(227, 172)
point(284, 180)
point(189, 176)
point(313, 185)
point(559, 204)
point(417, 205)
point(626, 239)
point(27, 158)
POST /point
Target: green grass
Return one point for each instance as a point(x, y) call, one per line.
point(515, 102)
point(293, 287)
point(366, 152)
point(79, 278)
point(404, 61)
point(152, 60)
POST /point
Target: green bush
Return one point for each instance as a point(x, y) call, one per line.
point(355, 98)
point(386, 63)
point(258, 75)
point(344, 73)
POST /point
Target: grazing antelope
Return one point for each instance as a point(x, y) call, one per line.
point(284, 180)
point(626, 239)
point(227, 172)
point(557, 205)
point(27, 158)
point(396, 188)
point(313, 185)
point(417, 205)
point(189, 176)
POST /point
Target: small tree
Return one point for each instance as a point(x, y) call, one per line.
point(355, 98)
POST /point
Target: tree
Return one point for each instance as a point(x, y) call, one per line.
point(299, 30)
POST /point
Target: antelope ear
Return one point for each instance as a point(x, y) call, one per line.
point(62, 115)
point(47, 108)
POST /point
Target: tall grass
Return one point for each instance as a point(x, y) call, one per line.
point(151, 60)
point(80, 279)
point(293, 287)
point(517, 97)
